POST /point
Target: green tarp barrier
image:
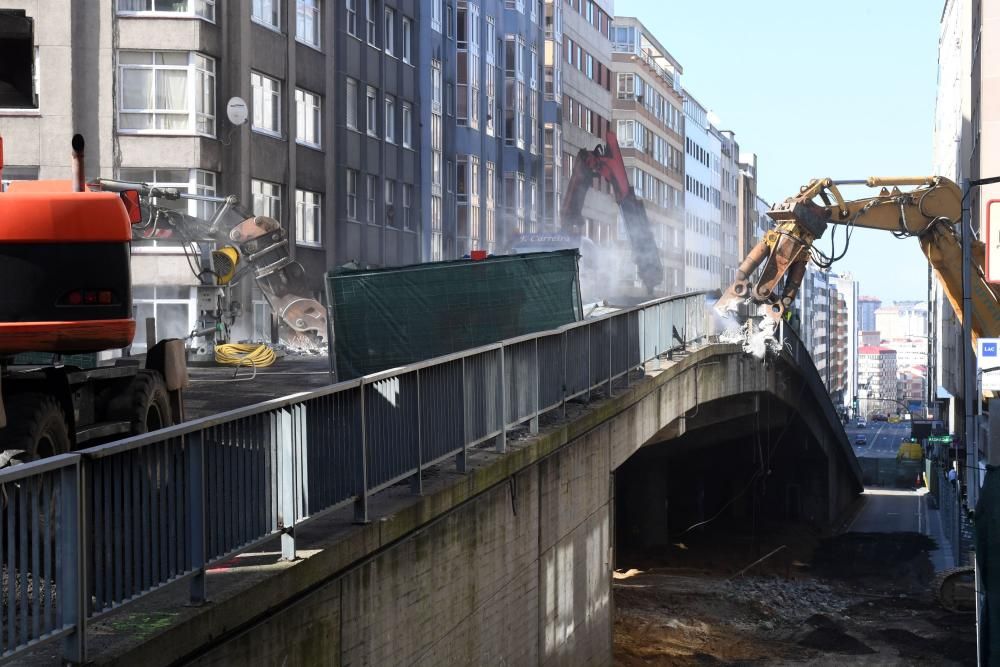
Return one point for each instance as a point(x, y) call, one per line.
point(987, 536)
point(385, 318)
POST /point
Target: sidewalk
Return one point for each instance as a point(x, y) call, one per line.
point(930, 525)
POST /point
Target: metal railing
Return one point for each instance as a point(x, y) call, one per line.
point(83, 533)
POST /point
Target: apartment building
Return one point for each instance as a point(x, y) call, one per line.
point(375, 169)
point(329, 148)
point(748, 233)
point(648, 113)
point(729, 211)
point(702, 198)
point(579, 86)
point(967, 125)
point(902, 319)
point(815, 322)
point(481, 71)
point(877, 374)
point(867, 305)
point(847, 293)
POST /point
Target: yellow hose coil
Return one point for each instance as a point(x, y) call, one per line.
point(256, 355)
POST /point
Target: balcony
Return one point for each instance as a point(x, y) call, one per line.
point(632, 49)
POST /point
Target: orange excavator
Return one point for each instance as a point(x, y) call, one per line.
point(65, 267)
point(65, 264)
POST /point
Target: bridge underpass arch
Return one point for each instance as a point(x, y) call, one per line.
point(740, 464)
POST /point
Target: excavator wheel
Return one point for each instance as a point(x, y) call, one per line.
point(36, 428)
point(955, 589)
point(145, 404)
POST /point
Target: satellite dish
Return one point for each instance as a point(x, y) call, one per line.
point(236, 110)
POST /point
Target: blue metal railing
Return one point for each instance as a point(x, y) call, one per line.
point(83, 533)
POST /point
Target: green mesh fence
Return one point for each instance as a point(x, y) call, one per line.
point(391, 317)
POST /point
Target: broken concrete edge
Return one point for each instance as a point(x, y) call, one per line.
point(195, 629)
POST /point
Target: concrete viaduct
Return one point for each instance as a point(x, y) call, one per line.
point(510, 562)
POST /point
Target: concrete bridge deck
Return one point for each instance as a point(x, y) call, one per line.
point(508, 562)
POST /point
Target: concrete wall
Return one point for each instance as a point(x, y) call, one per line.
point(519, 575)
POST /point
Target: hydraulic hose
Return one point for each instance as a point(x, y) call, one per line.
point(244, 354)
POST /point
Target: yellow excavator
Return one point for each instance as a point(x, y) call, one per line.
point(928, 209)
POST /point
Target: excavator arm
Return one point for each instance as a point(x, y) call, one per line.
point(928, 211)
point(605, 162)
point(258, 243)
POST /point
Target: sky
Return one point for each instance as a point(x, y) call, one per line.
point(840, 89)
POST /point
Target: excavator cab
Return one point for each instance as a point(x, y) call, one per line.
point(64, 255)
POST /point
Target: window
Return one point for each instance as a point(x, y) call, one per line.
point(19, 72)
point(266, 103)
point(436, 15)
point(351, 190)
point(307, 118)
point(372, 112)
point(204, 9)
point(390, 195)
point(371, 185)
point(407, 206)
point(308, 218)
point(390, 119)
point(191, 181)
point(352, 16)
point(352, 103)
point(407, 125)
point(166, 92)
point(171, 306)
point(407, 40)
point(389, 36)
point(307, 22)
point(370, 6)
point(266, 12)
point(266, 198)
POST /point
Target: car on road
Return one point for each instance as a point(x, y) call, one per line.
point(894, 419)
point(860, 440)
point(862, 424)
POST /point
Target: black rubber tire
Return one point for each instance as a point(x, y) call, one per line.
point(146, 404)
point(36, 428)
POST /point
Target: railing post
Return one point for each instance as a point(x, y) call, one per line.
point(462, 457)
point(565, 355)
point(611, 355)
point(286, 484)
point(361, 503)
point(417, 483)
point(195, 461)
point(502, 438)
point(72, 585)
point(628, 343)
point(533, 424)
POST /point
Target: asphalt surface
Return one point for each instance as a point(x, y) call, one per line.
point(891, 511)
point(883, 438)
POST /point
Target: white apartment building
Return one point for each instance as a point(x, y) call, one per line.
point(878, 376)
point(702, 199)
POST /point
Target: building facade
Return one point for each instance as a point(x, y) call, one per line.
point(902, 319)
point(729, 211)
point(847, 293)
point(877, 376)
point(649, 121)
point(481, 124)
point(867, 305)
point(702, 198)
point(579, 87)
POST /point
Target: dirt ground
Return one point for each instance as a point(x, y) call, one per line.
point(857, 599)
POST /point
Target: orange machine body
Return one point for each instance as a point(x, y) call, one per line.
point(65, 268)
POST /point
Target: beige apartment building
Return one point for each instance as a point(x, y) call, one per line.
point(649, 120)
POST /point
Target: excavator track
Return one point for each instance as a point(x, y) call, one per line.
point(955, 589)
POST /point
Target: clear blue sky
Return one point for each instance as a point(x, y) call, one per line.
point(841, 89)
